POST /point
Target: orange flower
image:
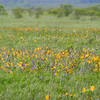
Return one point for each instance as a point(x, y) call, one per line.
point(66, 94)
point(92, 88)
point(70, 95)
point(47, 97)
point(11, 72)
point(84, 90)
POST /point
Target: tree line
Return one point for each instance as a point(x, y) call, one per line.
point(63, 10)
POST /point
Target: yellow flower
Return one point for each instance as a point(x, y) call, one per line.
point(47, 97)
point(18, 42)
point(56, 73)
point(58, 70)
point(84, 90)
point(54, 67)
point(35, 41)
point(92, 88)
point(12, 49)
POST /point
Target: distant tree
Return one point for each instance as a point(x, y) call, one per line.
point(83, 11)
point(18, 12)
point(95, 8)
point(54, 11)
point(48, 10)
point(94, 12)
point(60, 12)
point(67, 9)
point(38, 12)
point(91, 12)
point(30, 11)
point(2, 10)
point(77, 13)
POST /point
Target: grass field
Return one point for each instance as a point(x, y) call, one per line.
point(48, 21)
point(49, 58)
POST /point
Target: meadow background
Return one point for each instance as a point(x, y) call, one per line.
point(49, 58)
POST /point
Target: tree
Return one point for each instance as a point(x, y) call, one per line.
point(77, 13)
point(18, 12)
point(67, 9)
point(96, 8)
point(2, 10)
point(54, 11)
point(30, 11)
point(60, 12)
point(38, 12)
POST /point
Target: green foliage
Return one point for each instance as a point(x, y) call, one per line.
point(48, 10)
point(94, 12)
point(2, 10)
point(54, 11)
point(18, 12)
point(97, 13)
point(91, 12)
point(60, 12)
point(67, 9)
point(95, 8)
point(83, 11)
point(77, 13)
point(30, 11)
point(38, 12)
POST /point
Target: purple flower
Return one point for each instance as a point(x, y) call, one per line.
point(41, 78)
point(21, 69)
point(71, 57)
point(82, 70)
point(7, 58)
point(76, 72)
point(51, 60)
point(24, 65)
point(92, 53)
point(65, 69)
point(91, 66)
point(62, 79)
point(32, 62)
point(47, 68)
point(33, 67)
point(42, 62)
point(63, 75)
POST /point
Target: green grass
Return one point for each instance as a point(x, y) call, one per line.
point(68, 48)
point(47, 21)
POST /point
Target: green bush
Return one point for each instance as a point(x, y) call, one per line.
point(2, 10)
point(67, 9)
point(18, 12)
point(38, 12)
point(30, 11)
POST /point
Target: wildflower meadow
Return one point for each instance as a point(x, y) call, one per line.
point(44, 63)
